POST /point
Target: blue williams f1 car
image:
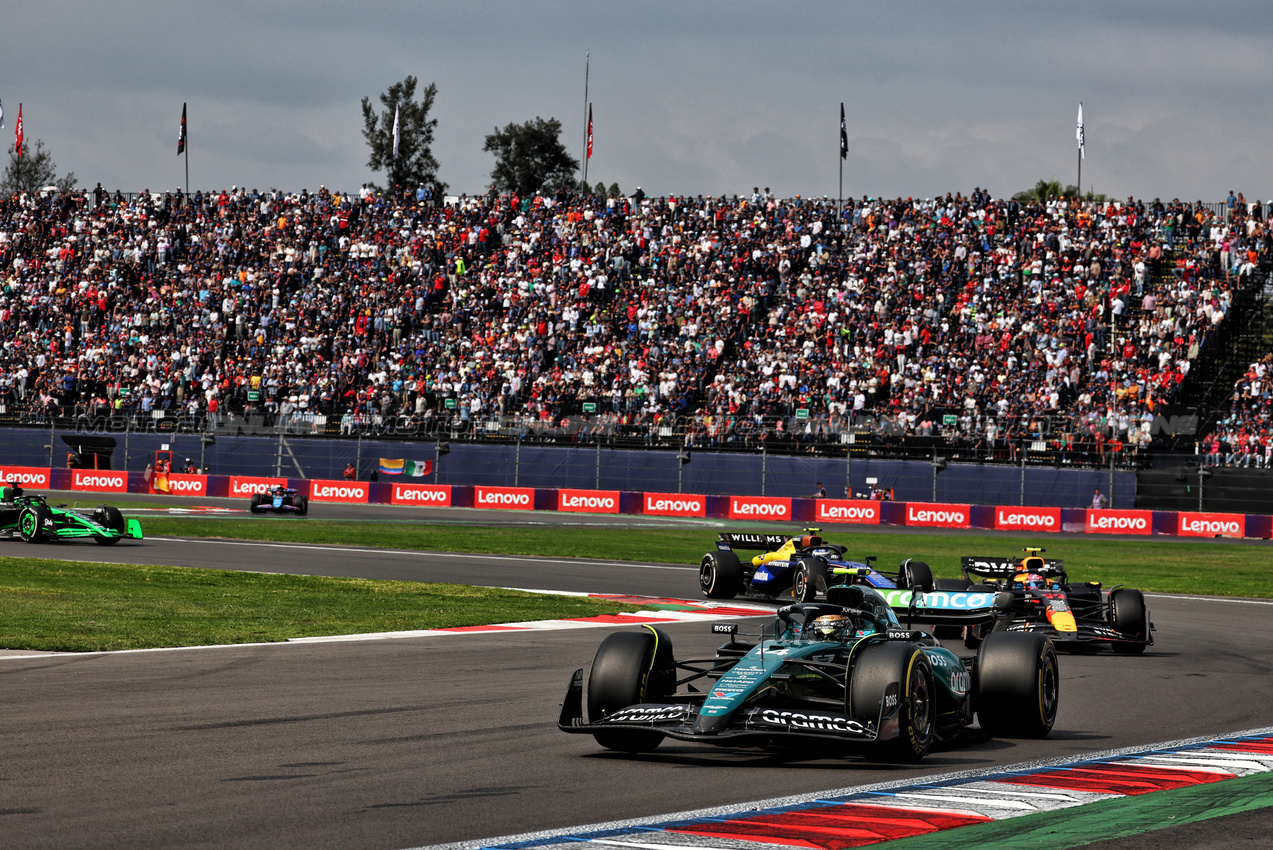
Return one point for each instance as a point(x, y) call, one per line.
point(842, 674)
point(801, 565)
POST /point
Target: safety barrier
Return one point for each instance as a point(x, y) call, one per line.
point(1032, 520)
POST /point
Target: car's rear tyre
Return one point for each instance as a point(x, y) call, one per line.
point(879, 666)
point(1018, 685)
point(1129, 615)
point(302, 505)
point(257, 502)
point(916, 575)
point(720, 575)
point(809, 577)
point(31, 523)
point(630, 668)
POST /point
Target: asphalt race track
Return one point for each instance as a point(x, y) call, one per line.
point(427, 740)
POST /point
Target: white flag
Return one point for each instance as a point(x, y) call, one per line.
point(395, 132)
point(1, 116)
point(1079, 134)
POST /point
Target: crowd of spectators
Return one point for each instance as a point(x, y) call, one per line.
point(746, 317)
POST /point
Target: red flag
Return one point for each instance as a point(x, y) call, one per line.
point(181, 137)
point(589, 128)
point(18, 146)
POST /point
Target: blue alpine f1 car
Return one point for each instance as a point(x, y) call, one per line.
point(801, 565)
point(280, 500)
point(841, 675)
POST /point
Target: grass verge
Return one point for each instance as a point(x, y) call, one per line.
point(82, 607)
point(1162, 565)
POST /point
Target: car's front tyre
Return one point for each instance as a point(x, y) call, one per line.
point(1129, 616)
point(810, 573)
point(880, 666)
point(630, 668)
point(31, 523)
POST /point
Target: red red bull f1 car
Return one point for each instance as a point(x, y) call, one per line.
point(1045, 601)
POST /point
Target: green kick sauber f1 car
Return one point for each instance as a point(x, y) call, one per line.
point(35, 520)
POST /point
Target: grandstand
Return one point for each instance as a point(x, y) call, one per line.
point(964, 328)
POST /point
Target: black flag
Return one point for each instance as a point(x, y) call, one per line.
point(181, 138)
point(844, 134)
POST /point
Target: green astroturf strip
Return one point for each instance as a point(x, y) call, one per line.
point(1125, 816)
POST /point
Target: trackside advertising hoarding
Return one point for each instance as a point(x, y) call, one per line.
point(588, 501)
point(1028, 519)
point(504, 498)
point(432, 495)
point(673, 504)
point(246, 485)
point(339, 491)
point(26, 476)
point(927, 515)
point(1210, 525)
point(100, 479)
point(847, 510)
point(759, 507)
point(1120, 522)
point(180, 485)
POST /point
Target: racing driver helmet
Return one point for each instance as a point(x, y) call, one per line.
point(1029, 581)
point(829, 626)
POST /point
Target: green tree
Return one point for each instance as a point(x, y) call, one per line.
point(414, 165)
point(614, 190)
point(33, 171)
point(530, 158)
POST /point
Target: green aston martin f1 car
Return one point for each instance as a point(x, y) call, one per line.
point(35, 520)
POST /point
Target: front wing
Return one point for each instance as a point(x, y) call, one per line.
point(1086, 633)
point(66, 526)
point(750, 727)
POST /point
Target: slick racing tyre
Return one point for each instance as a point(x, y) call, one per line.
point(810, 578)
point(720, 575)
point(1128, 615)
point(302, 505)
point(31, 523)
point(1018, 685)
point(257, 503)
point(630, 668)
point(916, 575)
point(907, 665)
point(110, 518)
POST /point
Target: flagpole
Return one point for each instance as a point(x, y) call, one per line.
point(587, 62)
point(839, 204)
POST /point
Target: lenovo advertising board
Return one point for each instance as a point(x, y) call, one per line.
point(673, 504)
point(354, 492)
point(26, 476)
point(1120, 522)
point(180, 485)
point(429, 495)
point(100, 479)
point(504, 498)
point(1027, 519)
point(588, 501)
point(1210, 525)
point(926, 515)
point(847, 510)
point(759, 507)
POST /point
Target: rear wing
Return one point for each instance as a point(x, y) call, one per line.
point(947, 607)
point(992, 567)
point(760, 542)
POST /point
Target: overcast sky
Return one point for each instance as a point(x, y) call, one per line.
point(689, 97)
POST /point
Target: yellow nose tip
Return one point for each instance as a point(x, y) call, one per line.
point(1063, 621)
